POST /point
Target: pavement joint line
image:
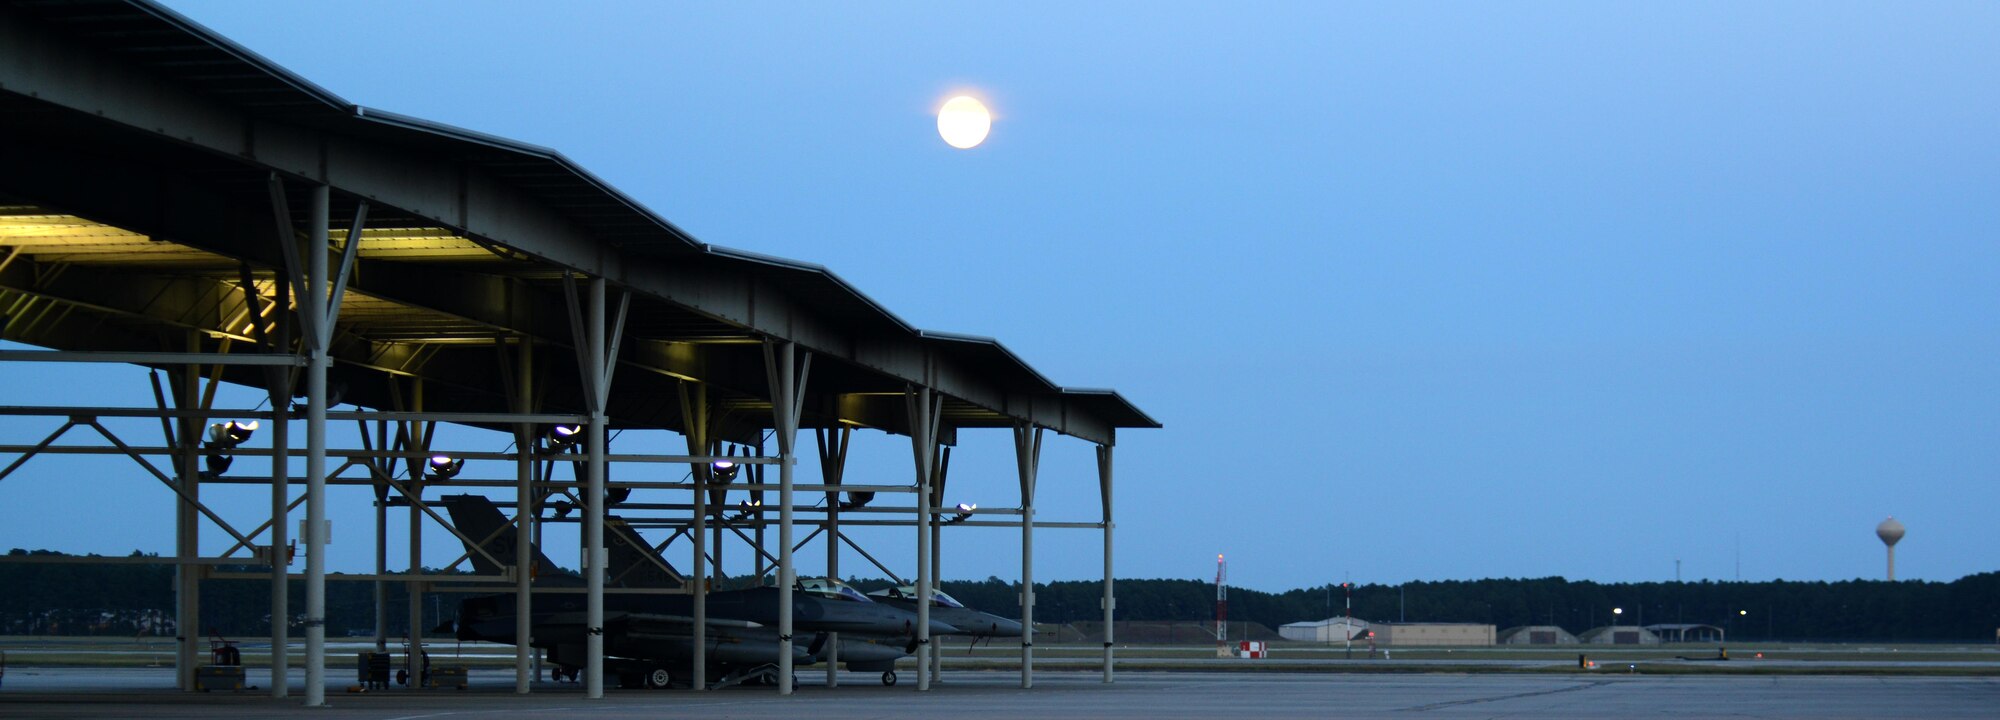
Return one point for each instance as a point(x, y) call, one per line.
point(1516, 696)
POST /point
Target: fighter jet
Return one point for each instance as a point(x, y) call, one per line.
point(860, 652)
point(979, 625)
point(649, 638)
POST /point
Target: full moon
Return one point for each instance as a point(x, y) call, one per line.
point(964, 122)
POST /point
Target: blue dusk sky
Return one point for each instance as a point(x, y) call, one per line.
point(1421, 291)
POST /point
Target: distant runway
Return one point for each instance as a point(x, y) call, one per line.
point(98, 693)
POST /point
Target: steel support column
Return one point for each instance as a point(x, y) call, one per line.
point(420, 439)
point(524, 515)
point(381, 565)
point(922, 407)
point(593, 519)
point(379, 470)
point(1110, 601)
point(279, 383)
point(758, 557)
point(597, 356)
point(694, 423)
point(832, 466)
point(940, 472)
point(788, 374)
point(1028, 456)
point(281, 601)
point(317, 363)
point(187, 525)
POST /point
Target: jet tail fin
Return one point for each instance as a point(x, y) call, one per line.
point(635, 565)
point(477, 518)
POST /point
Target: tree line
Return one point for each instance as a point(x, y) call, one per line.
point(43, 598)
point(83, 598)
point(1967, 609)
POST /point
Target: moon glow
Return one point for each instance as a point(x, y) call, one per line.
point(963, 122)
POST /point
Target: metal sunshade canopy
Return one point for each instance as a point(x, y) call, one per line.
point(135, 199)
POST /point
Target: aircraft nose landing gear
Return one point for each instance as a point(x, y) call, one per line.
point(889, 678)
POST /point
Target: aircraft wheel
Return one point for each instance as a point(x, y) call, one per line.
point(889, 678)
point(658, 678)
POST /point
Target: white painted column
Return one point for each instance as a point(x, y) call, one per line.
point(694, 425)
point(940, 469)
point(832, 467)
point(787, 384)
point(593, 519)
point(1110, 601)
point(923, 415)
point(1028, 457)
point(317, 364)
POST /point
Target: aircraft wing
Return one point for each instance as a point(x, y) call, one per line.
point(682, 621)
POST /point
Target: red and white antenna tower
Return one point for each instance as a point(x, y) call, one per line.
point(1221, 600)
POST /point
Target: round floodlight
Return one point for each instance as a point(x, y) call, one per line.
point(230, 434)
point(560, 437)
point(444, 467)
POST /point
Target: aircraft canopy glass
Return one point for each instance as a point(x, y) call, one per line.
point(938, 597)
point(832, 589)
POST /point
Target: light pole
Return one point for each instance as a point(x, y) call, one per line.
point(1347, 627)
point(1617, 614)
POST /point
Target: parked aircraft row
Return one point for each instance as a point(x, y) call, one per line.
point(649, 638)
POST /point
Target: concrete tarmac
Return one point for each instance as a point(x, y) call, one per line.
point(144, 693)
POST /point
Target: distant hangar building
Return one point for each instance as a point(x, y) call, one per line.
point(1330, 630)
point(1687, 632)
point(1619, 635)
point(1536, 635)
point(1342, 629)
point(1422, 634)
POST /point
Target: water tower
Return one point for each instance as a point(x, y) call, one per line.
point(1890, 531)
